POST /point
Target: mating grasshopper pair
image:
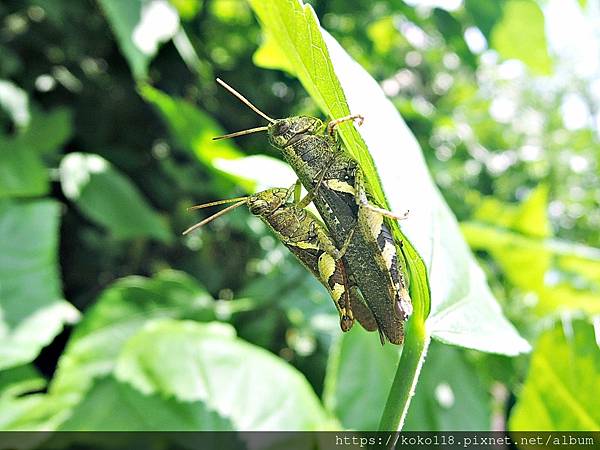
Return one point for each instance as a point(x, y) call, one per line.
point(371, 285)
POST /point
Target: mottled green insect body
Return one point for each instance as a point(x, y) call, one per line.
point(322, 163)
point(340, 194)
point(306, 237)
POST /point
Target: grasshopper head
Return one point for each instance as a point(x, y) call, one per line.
point(284, 132)
point(266, 202)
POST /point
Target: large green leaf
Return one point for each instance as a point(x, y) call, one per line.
point(561, 387)
point(32, 310)
point(248, 386)
point(461, 307)
point(141, 26)
point(108, 198)
point(463, 310)
point(521, 35)
point(119, 313)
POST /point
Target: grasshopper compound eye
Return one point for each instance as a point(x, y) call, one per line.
point(258, 206)
point(279, 128)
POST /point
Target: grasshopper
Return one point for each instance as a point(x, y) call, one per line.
point(338, 188)
point(308, 240)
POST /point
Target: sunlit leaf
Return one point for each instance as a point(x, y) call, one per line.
point(530, 217)
point(187, 9)
point(22, 407)
point(118, 314)
point(527, 263)
point(205, 363)
point(563, 375)
point(521, 35)
point(269, 56)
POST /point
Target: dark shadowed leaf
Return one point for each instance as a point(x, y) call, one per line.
point(108, 198)
point(140, 27)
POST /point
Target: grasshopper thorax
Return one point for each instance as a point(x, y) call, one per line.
point(284, 132)
point(266, 202)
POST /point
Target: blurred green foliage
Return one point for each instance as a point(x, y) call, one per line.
point(107, 110)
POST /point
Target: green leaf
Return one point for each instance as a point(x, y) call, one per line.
point(527, 261)
point(187, 9)
point(463, 310)
point(205, 363)
point(20, 410)
point(269, 55)
point(32, 310)
point(22, 173)
point(521, 35)
point(530, 217)
point(141, 26)
point(193, 130)
point(515, 237)
point(359, 376)
point(48, 131)
point(450, 395)
point(19, 380)
point(485, 14)
point(108, 198)
point(563, 376)
point(119, 313)
point(111, 405)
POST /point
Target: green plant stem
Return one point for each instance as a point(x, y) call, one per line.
point(407, 373)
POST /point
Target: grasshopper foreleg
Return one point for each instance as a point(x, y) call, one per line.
point(331, 126)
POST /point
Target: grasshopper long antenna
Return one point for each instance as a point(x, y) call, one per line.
point(218, 202)
point(245, 100)
point(240, 133)
point(216, 215)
